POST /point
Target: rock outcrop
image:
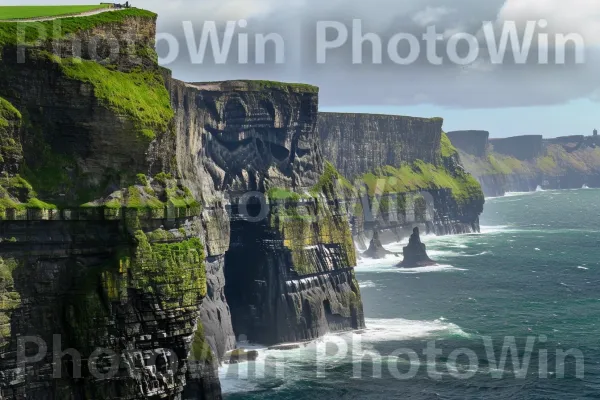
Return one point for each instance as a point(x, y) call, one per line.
point(407, 173)
point(376, 249)
point(568, 162)
point(415, 254)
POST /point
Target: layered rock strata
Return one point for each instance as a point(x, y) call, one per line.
point(288, 270)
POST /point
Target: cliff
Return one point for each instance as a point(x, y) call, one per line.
point(520, 147)
point(471, 142)
point(407, 173)
point(562, 163)
point(288, 270)
point(125, 222)
point(103, 245)
point(360, 143)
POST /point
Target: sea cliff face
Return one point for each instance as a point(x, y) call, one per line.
point(360, 143)
point(124, 223)
point(524, 164)
point(407, 173)
point(288, 270)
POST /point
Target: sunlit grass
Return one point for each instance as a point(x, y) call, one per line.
point(29, 12)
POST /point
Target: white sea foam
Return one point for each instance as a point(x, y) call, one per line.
point(388, 265)
point(383, 330)
point(367, 284)
point(494, 229)
point(513, 194)
point(284, 367)
point(584, 268)
point(381, 265)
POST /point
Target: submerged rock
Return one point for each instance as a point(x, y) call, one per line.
point(241, 355)
point(415, 254)
point(376, 249)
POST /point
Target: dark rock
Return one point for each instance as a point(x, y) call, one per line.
point(376, 249)
point(415, 254)
point(240, 355)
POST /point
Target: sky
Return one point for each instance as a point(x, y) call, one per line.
point(507, 98)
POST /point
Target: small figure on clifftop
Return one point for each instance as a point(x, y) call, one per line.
point(415, 254)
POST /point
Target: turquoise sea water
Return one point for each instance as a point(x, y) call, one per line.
point(533, 274)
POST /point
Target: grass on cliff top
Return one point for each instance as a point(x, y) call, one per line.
point(286, 87)
point(141, 95)
point(31, 32)
point(26, 12)
point(394, 116)
point(557, 161)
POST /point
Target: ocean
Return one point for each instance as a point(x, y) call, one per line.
point(511, 313)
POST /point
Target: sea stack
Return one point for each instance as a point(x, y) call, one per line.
point(415, 254)
point(376, 249)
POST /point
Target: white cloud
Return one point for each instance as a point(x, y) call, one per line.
point(430, 15)
point(572, 16)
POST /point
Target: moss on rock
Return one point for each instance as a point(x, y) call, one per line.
point(9, 298)
point(174, 272)
point(162, 192)
point(141, 95)
point(318, 222)
point(201, 350)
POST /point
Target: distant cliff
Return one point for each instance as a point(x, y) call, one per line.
point(410, 171)
point(471, 142)
point(520, 147)
point(522, 164)
point(360, 143)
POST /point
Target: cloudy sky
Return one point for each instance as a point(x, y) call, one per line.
point(505, 98)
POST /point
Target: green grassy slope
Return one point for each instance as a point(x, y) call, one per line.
point(27, 12)
point(31, 32)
